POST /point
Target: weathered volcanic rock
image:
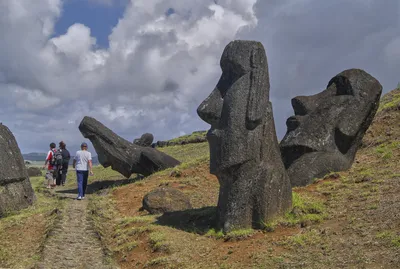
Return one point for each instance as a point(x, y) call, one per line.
point(244, 150)
point(165, 199)
point(123, 156)
point(15, 188)
point(34, 172)
point(145, 140)
point(328, 127)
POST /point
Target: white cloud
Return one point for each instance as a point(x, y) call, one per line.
point(160, 65)
point(157, 69)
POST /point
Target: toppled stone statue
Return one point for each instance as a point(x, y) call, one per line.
point(244, 150)
point(15, 188)
point(145, 140)
point(123, 156)
point(328, 127)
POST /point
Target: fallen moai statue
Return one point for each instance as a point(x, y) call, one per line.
point(327, 129)
point(244, 150)
point(123, 156)
point(15, 188)
point(145, 140)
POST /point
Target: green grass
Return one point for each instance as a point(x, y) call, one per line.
point(127, 246)
point(305, 210)
point(188, 153)
point(385, 150)
point(312, 237)
point(100, 174)
point(188, 137)
point(137, 219)
point(215, 234)
point(231, 236)
point(44, 207)
point(44, 203)
point(158, 262)
point(157, 242)
point(390, 100)
point(238, 234)
point(390, 237)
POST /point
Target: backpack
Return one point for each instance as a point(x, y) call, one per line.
point(56, 158)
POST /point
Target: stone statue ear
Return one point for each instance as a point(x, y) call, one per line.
point(257, 98)
point(347, 129)
point(356, 116)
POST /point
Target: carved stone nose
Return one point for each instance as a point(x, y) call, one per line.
point(210, 109)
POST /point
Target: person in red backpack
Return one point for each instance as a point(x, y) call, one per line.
point(63, 167)
point(51, 173)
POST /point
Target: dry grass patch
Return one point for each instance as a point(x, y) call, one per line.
point(23, 233)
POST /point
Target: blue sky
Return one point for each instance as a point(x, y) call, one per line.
point(99, 17)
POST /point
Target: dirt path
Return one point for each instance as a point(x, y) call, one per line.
point(73, 243)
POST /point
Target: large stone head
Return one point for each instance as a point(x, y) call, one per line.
point(15, 188)
point(237, 106)
point(327, 128)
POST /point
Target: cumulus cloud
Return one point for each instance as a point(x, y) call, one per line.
point(163, 60)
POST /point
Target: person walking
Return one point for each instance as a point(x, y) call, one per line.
point(83, 166)
point(51, 172)
point(63, 169)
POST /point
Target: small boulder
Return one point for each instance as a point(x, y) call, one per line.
point(34, 172)
point(165, 199)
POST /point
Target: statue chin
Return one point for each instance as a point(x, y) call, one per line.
point(315, 165)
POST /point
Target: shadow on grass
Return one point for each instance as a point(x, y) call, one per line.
point(198, 221)
point(102, 185)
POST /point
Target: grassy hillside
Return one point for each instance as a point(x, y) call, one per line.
point(345, 220)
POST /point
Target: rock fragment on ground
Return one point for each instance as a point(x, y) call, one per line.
point(166, 199)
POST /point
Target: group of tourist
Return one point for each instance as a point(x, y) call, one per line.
point(57, 162)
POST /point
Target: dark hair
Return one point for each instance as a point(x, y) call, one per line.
point(52, 145)
point(62, 145)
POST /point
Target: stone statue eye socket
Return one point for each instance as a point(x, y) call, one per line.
point(343, 90)
point(342, 86)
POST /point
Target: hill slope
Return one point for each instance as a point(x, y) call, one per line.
point(346, 220)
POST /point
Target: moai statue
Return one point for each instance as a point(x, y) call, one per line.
point(145, 140)
point(328, 127)
point(244, 151)
point(16, 191)
point(123, 156)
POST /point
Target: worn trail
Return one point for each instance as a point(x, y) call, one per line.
point(73, 242)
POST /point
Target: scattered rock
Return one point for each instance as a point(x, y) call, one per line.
point(16, 190)
point(34, 172)
point(165, 199)
point(123, 156)
point(327, 128)
point(244, 150)
point(175, 173)
point(363, 179)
